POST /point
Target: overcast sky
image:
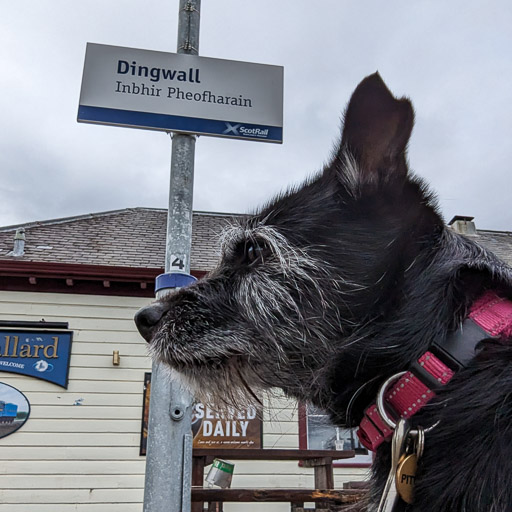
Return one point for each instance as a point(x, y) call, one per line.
point(451, 57)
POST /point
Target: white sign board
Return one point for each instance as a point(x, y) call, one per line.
point(182, 93)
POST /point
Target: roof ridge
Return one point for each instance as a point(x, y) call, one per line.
point(74, 218)
point(62, 220)
point(501, 232)
point(218, 214)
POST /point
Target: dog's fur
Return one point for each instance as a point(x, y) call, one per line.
point(341, 283)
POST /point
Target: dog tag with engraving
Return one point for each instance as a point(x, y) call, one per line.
point(389, 498)
point(406, 477)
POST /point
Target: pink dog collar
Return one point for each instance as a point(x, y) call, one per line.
point(414, 389)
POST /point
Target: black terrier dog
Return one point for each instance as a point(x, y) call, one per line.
point(336, 286)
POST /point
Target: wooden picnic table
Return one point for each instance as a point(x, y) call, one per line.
point(322, 493)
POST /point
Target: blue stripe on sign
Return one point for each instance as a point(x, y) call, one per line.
point(180, 124)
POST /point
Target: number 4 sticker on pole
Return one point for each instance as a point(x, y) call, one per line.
point(177, 262)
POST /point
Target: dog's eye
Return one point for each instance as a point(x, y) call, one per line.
point(255, 252)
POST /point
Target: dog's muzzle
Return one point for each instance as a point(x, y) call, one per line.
point(148, 318)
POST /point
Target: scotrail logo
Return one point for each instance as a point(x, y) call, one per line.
point(239, 130)
point(231, 128)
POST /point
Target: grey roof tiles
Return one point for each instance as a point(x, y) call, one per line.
point(134, 237)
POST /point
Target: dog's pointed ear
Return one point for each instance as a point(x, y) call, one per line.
point(376, 131)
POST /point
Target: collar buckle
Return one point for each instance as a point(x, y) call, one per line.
point(460, 346)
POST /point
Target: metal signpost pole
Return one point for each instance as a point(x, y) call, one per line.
point(169, 447)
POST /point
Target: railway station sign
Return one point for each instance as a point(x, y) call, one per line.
point(40, 354)
point(182, 93)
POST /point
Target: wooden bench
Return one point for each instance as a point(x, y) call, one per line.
point(323, 493)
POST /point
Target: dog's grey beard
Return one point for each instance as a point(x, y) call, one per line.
point(233, 384)
point(286, 314)
point(225, 389)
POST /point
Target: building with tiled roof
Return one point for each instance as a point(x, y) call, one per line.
point(133, 237)
point(109, 247)
point(498, 242)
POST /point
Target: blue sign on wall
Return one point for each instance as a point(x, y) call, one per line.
point(40, 354)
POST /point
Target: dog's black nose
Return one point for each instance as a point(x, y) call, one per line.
point(147, 318)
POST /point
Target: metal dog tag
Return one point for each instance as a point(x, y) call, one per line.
point(407, 467)
point(406, 477)
point(389, 497)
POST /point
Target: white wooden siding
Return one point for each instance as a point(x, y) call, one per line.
point(85, 458)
